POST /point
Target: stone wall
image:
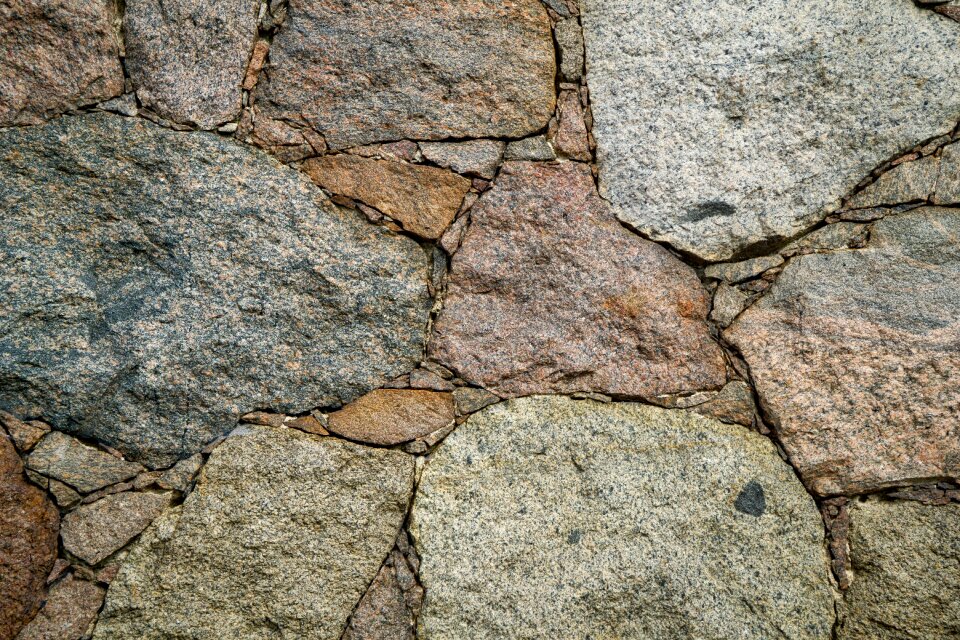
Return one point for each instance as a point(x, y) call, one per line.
point(467, 319)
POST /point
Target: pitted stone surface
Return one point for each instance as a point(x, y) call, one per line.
point(280, 539)
point(855, 357)
point(187, 59)
point(549, 293)
point(57, 55)
point(156, 285)
point(546, 517)
point(724, 125)
point(382, 70)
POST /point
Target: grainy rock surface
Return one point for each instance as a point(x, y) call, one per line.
point(71, 607)
point(187, 59)
point(855, 357)
point(392, 416)
point(79, 465)
point(156, 285)
point(424, 200)
point(95, 531)
point(549, 293)
point(280, 538)
point(57, 55)
point(28, 542)
point(390, 69)
point(553, 518)
point(472, 157)
point(906, 583)
point(382, 613)
point(722, 126)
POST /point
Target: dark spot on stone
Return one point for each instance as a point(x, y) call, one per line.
point(751, 500)
point(574, 537)
point(710, 209)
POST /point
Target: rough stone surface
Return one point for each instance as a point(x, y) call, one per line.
point(906, 182)
point(569, 37)
point(535, 148)
point(722, 126)
point(156, 285)
point(733, 404)
point(728, 302)
point(25, 435)
point(906, 583)
point(390, 69)
point(280, 538)
point(468, 400)
point(71, 607)
point(632, 318)
point(57, 55)
point(424, 200)
point(382, 613)
point(571, 139)
point(840, 235)
point(187, 59)
point(95, 531)
point(855, 356)
point(948, 179)
point(546, 517)
point(392, 416)
point(79, 465)
point(179, 476)
point(734, 272)
point(28, 542)
point(474, 157)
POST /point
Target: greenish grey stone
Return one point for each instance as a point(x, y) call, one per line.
point(839, 235)
point(546, 517)
point(734, 272)
point(906, 182)
point(948, 179)
point(535, 148)
point(156, 285)
point(79, 465)
point(280, 539)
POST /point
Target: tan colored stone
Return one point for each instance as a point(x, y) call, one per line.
point(424, 200)
point(948, 180)
point(257, 58)
point(382, 613)
point(392, 416)
point(728, 302)
point(79, 465)
point(95, 531)
point(25, 435)
point(550, 294)
point(571, 139)
point(70, 609)
point(906, 182)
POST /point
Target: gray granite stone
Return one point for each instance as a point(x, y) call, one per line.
point(536, 148)
point(948, 178)
point(473, 157)
point(79, 465)
point(734, 272)
point(95, 531)
point(907, 182)
point(569, 38)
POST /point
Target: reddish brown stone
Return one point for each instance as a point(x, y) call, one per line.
point(25, 435)
point(73, 604)
point(549, 293)
point(382, 613)
point(422, 199)
point(571, 139)
point(392, 416)
point(28, 543)
point(257, 58)
point(57, 55)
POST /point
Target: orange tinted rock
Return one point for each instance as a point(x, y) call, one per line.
point(392, 416)
point(422, 199)
point(550, 294)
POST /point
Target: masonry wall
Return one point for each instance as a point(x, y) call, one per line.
point(473, 319)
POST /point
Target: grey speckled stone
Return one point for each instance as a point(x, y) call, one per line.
point(79, 465)
point(156, 285)
point(906, 583)
point(724, 125)
point(546, 517)
point(280, 539)
point(94, 531)
point(473, 157)
point(187, 58)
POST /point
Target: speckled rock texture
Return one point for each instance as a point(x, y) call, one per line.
point(94, 531)
point(392, 416)
point(552, 518)
point(70, 610)
point(725, 126)
point(83, 467)
point(187, 59)
point(906, 584)
point(549, 293)
point(855, 357)
point(156, 285)
point(57, 55)
point(281, 538)
point(385, 70)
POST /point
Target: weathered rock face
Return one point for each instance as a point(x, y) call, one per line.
point(94, 531)
point(187, 59)
point(473, 157)
point(775, 113)
point(390, 69)
point(280, 538)
point(392, 416)
point(855, 357)
point(548, 517)
point(57, 55)
point(79, 465)
point(156, 285)
point(71, 607)
point(549, 293)
point(906, 583)
point(28, 542)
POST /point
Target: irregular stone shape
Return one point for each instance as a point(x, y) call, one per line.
point(734, 272)
point(95, 531)
point(382, 613)
point(571, 139)
point(906, 583)
point(390, 69)
point(772, 114)
point(728, 302)
point(569, 37)
point(392, 416)
point(906, 182)
point(187, 59)
point(79, 465)
point(151, 296)
point(733, 404)
point(546, 517)
point(28, 542)
point(424, 200)
point(535, 148)
point(549, 293)
point(63, 495)
point(854, 355)
point(25, 435)
point(468, 400)
point(57, 55)
point(70, 609)
point(839, 235)
point(280, 538)
point(179, 476)
point(948, 180)
point(473, 157)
